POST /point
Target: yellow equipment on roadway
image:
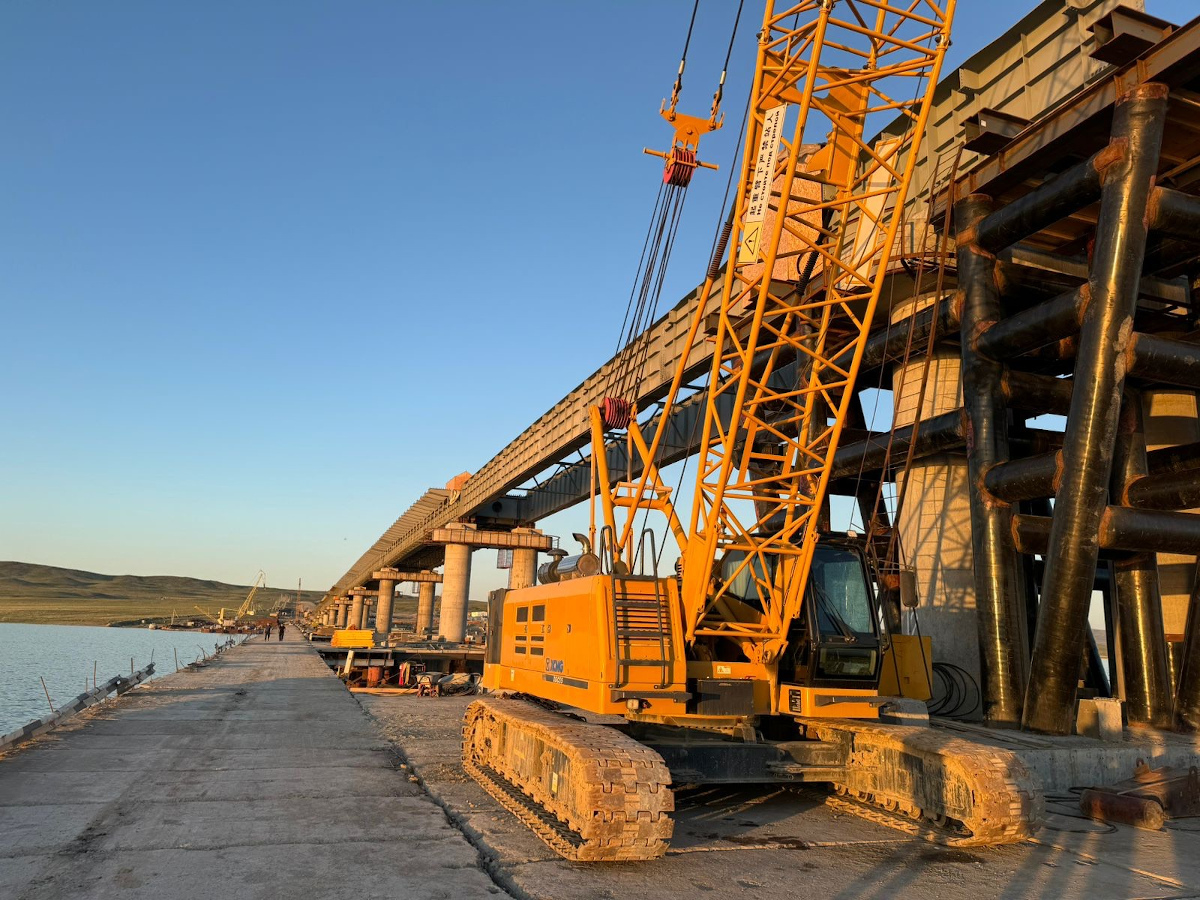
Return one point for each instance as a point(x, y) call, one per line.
point(760, 658)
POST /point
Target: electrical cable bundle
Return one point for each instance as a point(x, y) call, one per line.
point(959, 695)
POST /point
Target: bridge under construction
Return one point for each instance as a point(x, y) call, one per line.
point(973, 323)
point(1027, 284)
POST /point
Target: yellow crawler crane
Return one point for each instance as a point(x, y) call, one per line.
point(760, 659)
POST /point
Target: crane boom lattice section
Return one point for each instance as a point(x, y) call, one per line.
point(813, 235)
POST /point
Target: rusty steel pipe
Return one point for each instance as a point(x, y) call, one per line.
point(1187, 693)
point(1026, 478)
point(1139, 600)
point(1128, 530)
point(1000, 600)
point(1106, 806)
point(937, 433)
point(1035, 327)
point(1127, 174)
point(1067, 193)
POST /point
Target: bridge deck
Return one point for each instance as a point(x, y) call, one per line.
point(258, 776)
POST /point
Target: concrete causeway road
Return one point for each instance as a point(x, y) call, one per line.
point(261, 776)
point(258, 776)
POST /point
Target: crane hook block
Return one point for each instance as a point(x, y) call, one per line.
point(681, 160)
point(679, 167)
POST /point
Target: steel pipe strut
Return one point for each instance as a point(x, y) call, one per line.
point(1121, 528)
point(1035, 327)
point(890, 342)
point(1025, 479)
point(1175, 214)
point(1169, 460)
point(937, 433)
point(1139, 601)
point(1155, 358)
point(999, 587)
point(1036, 393)
point(1178, 490)
point(1187, 695)
point(1127, 175)
point(1067, 193)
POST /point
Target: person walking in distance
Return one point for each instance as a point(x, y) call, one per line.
point(268, 633)
point(281, 631)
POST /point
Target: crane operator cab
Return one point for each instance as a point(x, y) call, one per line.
point(831, 666)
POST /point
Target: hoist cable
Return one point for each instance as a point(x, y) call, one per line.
point(725, 67)
point(683, 59)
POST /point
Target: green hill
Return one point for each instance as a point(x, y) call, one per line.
point(55, 596)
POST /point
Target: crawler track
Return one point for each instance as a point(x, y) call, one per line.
point(934, 785)
point(592, 793)
point(588, 791)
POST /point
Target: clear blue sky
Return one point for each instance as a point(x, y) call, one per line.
point(272, 269)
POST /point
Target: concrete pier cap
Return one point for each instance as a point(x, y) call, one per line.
point(460, 541)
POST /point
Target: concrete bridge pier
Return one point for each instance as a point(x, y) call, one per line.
point(355, 620)
point(424, 623)
point(523, 573)
point(387, 579)
point(343, 608)
point(456, 588)
point(425, 582)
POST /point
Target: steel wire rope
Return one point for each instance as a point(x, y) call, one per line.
point(719, 244)
point(894, 548)
point(935, 310)
point(651, 274)
point(917, 93)
point(646, 267)
point(687, 42)
point(651, 290)
point(632, 355)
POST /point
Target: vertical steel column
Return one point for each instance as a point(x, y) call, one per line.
point(1143, 657)
point(1187, 697)
point(999, 589)
point(1129, 166)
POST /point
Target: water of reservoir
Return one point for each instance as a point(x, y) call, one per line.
point(64, 656)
